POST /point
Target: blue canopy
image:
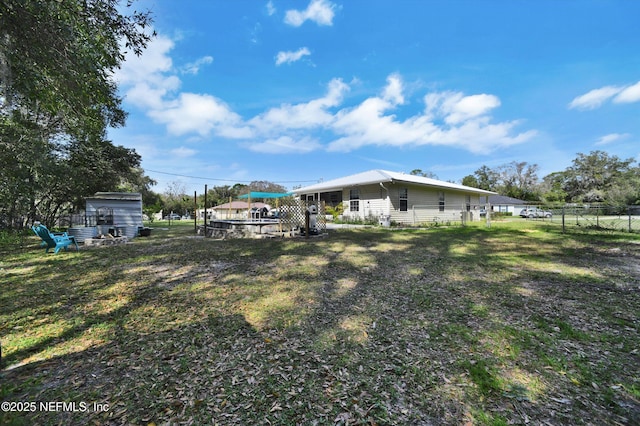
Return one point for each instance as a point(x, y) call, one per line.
point(265, 195)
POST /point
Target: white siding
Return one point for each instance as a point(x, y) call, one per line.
point(422, 204)
point(127, 214)
point(507, 208)
point(371, 202)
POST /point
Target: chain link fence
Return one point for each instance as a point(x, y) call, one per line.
point(574, 218)
point(600, 218)
point(437, 215)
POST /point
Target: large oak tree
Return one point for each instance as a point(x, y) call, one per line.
point(57, 100)
point(601, 177)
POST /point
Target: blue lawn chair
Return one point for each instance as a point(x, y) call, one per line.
point(54, 240)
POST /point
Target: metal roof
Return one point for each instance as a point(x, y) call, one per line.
point(372, 177)
point(128, 196)
point(503, 199)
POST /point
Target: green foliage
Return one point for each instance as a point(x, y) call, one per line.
point(263, 186)
point(58, 98)
point(58, 57)
point(419, 172)
point(498, 215)
point(552, 188)
point(98, 166)
point(600, 177)
point(176, 200)
point(568, 332)
point(470, 180)
point(487, 179)
point(597, 177)
point(484, 376)
point(335, 211)
point(43, 177)
point(221, 194)
point(357, 220)
point(10, 238)
point(485, 418)
point(516, 179)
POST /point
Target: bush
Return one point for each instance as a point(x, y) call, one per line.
point(498, 215)
point(11, 238)
point(334, 211)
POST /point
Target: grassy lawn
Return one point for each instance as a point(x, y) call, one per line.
point(513, 324)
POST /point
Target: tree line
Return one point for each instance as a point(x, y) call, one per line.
point(597, 177)
point(57, 100)
point(175, 199)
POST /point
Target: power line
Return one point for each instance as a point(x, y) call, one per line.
point(224, 180)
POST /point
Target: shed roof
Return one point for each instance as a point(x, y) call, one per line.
point(130, 196)
point(384, 176)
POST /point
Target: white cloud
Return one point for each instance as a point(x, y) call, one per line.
point(145, 77)
point(183, 152)
point(254, 34)
point(286, 145)
point(393, 91)
point(610, 138)
point(201, 114)
point(194, 67)
point(595, 98)
point(629, 94)
point(150, 94)
point(368, 121)
point(469, 107)
point(151, 84)
point(271, 9)
point(319, 11)
point(617, 94)
point(454, 107)
point(289, 57)
point(304, 115)
point(449, 118)
point(154, 60)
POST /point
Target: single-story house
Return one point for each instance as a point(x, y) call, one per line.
point(398, 197)
point(504, 204)
point(232, 210)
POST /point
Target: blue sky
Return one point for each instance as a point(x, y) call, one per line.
point(298, 91)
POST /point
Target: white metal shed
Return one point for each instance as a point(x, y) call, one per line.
point(119, 212)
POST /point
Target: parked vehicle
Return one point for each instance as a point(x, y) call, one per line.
point(532, 212)
point(172, 216)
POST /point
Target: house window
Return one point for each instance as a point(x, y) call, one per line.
point(404, 197)
point(468, 202)
point(441, 200)
point(354, 200)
